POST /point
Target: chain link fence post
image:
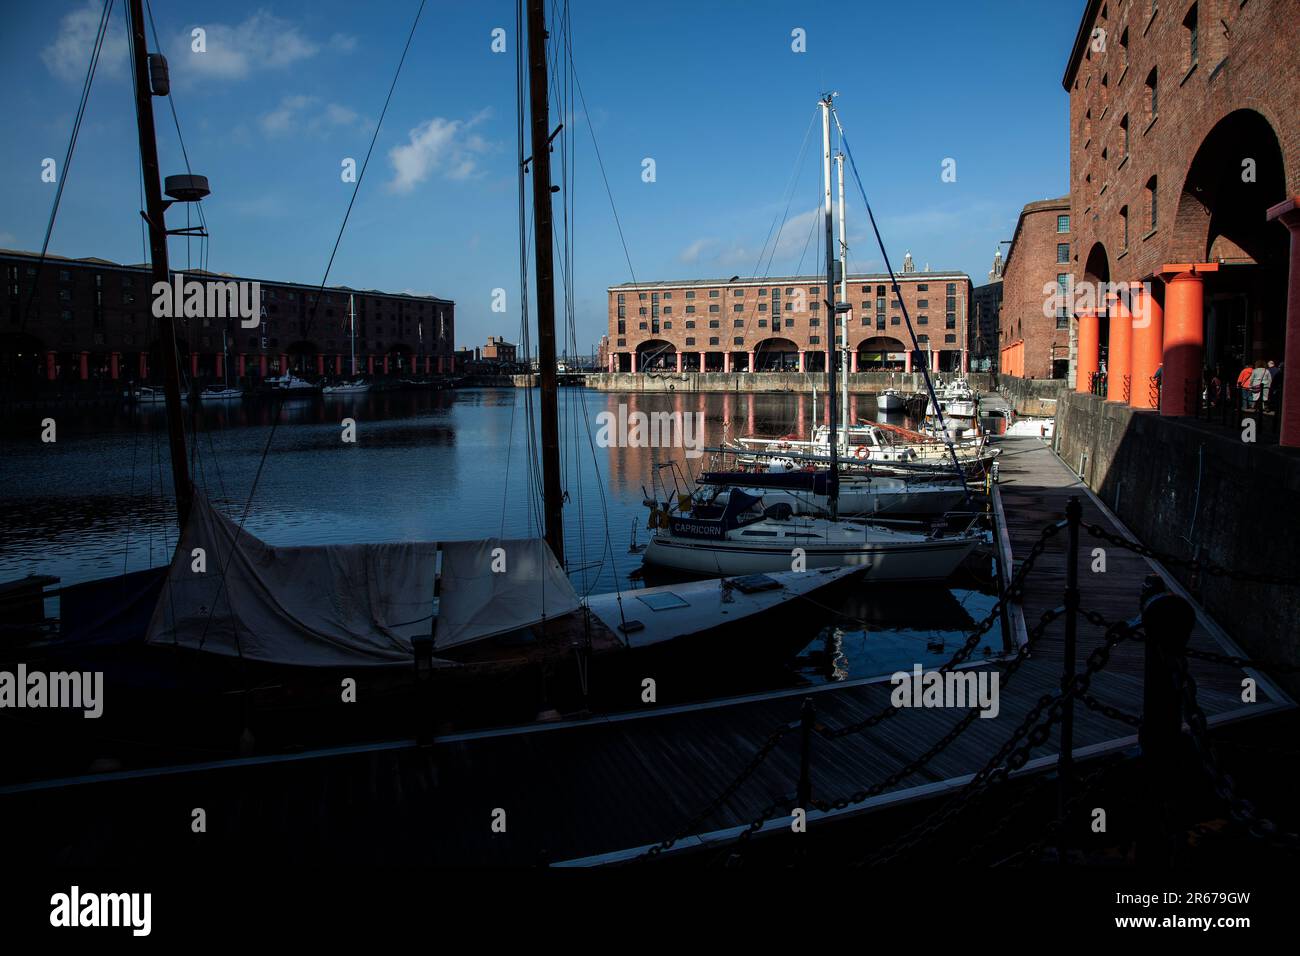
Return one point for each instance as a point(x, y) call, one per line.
point(1168, 620)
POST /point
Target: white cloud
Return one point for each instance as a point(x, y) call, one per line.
point(8, 240)
point(692, 253)
point(262, 42)
point(343, 42)
point(303, 114)
point(69, 54)
point(438, 145)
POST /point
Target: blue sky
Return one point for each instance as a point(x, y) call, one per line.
point(711, 91)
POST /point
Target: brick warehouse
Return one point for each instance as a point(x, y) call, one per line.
point(779, 324)
point(1184, 186)
point(1031, 342)
point(92, 321)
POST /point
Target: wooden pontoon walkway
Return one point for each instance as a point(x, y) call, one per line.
point(598, 790)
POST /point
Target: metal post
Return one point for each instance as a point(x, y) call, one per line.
point(807, 717)
point(1168, 620)
point(155, 212)
point(552, 491)
point(1065, 760)
point(833, 479)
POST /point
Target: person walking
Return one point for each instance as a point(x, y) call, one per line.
point(1243, 386)
point(1258, 381)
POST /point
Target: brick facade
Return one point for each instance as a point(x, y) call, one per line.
point(91, 319)
point(728, 325)
point(1032, 343)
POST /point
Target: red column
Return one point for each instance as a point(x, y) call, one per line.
point(907, 361)
point(633, 354)
point(679, 361)
point(144, 365)
point(1146, 349)
point(221, 365)
point(113, 365)
point(84, 366)
point(1184, 340)
point(52, 365)
point(803, 362)
point(752, 355)
point(934, 361)
point(338, 364)
point(965, 361)
point(370, 365)
point(853, 361)
point(242, 365)
point(427, 359)
point(1089, 343)
point(1119, 363)
point(262, 363)
point(1289, 214)
point(194, 365)
point(385, 363)
point(726, 361)
point(284, 363)
point(320, 364)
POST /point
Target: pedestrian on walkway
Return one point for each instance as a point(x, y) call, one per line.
point(1243, 386)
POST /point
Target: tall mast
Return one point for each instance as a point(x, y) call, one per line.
point(843, 351)
point(833, 482)
point(352, 329)
point(155, 211)
point(539, 110)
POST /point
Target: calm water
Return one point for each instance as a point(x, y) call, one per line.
point(425, 466)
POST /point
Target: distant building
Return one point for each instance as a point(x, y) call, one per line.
point(986, 306)
point(779, 324)
point(92, 320)
point(499, 351)
point(1033, 326)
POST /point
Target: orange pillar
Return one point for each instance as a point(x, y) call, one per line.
point(220, 359)
point(114, 369)
point(243, 365)
point(370, 365)
point(1146, 349)
point(1184, 340)
point(261, 363)
point(1289, 214)
point(52, 365)
point(1119, 362)
point(84, 366)
point(144, 365)
point(194, 365)
point(1086, 365)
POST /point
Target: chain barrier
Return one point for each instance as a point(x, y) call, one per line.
point(1243, 663)
point(1034, 733)
point(727, 793)
point(1086, 786)
point(1242, 810)
point(1191, 564)
point(1106, 710)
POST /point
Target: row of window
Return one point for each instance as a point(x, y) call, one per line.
point(812, 340)
point(776, 292)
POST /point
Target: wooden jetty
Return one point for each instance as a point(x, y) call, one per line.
point(602, 790)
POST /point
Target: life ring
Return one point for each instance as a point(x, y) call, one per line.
point(861, 453)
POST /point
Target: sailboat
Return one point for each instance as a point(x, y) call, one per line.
point(734, 530)
point(357, 386)
point(222, 393)
point(483, 623)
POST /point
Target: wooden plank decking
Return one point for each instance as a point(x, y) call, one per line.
point(602, 788)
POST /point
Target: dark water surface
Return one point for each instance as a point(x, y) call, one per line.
point(425, 466)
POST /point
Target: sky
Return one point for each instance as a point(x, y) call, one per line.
point(714, 94)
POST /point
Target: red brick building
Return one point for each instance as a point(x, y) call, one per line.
point(1184, 173)
point(499, 351)
point(1034, 330)
point(91, 320)
point(780, 324)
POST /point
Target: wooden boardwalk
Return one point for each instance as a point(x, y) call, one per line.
point(599, 790)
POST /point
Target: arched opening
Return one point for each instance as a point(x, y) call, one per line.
point(881, 352)
point(1235, 176)
point(22, 362)
point(656, 355)
point(776, 355)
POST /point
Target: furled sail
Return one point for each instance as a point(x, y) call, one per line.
point(495, 586)
point(320, 606)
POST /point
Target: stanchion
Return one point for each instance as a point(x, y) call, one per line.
point(1168, 620)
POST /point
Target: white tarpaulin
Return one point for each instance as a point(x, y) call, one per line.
point(320, 606)
point(495, 586)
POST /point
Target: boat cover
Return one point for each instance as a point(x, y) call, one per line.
point(343, 604)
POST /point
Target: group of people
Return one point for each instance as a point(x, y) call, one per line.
point(1259, 385)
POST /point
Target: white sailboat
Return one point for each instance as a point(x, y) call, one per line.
point(357, 386)
point(734, 531)
point(222, 393)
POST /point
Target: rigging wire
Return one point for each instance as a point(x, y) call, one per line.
point(62, 175)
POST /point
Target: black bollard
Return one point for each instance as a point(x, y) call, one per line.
point(1168, 620)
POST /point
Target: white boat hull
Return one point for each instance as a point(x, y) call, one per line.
point(890, 402)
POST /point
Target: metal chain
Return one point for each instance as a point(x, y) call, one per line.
point(1106, 710)
point(727, 793)
point(995, 771)
point(1256, 663)
point(1086, 786)
point(1203, 567)
point(1242, 810)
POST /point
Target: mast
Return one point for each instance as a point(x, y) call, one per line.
point(539, 108)
point(352, 329)
point(844, 297)
point(833, 481)
point(155, 211)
